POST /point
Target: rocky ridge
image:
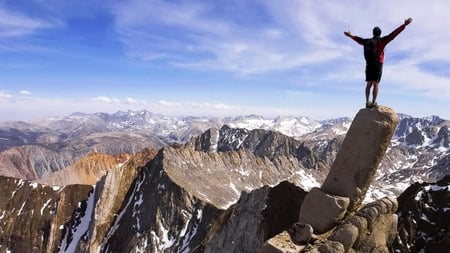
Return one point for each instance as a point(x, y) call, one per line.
point(182, 199)
point(39, 218)
point(424, 218)
point(419, 150)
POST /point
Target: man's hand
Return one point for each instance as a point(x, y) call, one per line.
point(408, 21)
point(348, 34)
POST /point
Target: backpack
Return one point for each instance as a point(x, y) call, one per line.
point(370, 50)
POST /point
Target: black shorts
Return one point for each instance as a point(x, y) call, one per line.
point(374, 71)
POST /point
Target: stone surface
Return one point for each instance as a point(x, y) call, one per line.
point(37, 218)
point(322, 211)
point(110, 195)
point(257, 217)
point(301, 233)
point(332, 247)
point(365, 231)
point(346, 234)
point(360, 154)
point(376, 226)
point(281, 243)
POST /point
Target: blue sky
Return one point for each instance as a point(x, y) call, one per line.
point(217, 57)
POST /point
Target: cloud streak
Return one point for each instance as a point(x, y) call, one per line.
point(269, 49)
point(17, 25)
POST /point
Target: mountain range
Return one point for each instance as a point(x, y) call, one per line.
point(169, 184)
point(34, 151)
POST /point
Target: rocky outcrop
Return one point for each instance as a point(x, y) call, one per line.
point(373, 227)
point(255, 218)
point(360, 154)
point(323, 211)
point(36, 218)
point(353, 170)
point(110, 194)
point(424, 218)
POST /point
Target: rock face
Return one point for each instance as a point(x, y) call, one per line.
point(269, 144)
point(371, 229)
point(32, 162)
point(353, 170)
point(255, 218)
point(424, 218)
point(36, 218)
point(334, 210)
point(87, 170)
point(323, 211)
point(360, 154)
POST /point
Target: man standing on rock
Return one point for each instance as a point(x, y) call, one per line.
point(374, 55)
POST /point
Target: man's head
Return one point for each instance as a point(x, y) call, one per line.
point(376, 31)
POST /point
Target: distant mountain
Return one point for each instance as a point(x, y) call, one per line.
point(209, 192)
point(34, 150)
point(419, 150)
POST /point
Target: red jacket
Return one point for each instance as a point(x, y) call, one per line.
point(383, 41)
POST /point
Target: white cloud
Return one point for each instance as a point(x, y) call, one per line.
point(131, 101)
point(25, 92)
point(298, 34)
point(4, 95)
point(203, 40)
point(168, 103)
point(105, 99)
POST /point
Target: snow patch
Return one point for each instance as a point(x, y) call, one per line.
point(3, 215)
point(163, 241)
point(188, 237)
point(432, 187)
point(56, 188)
point(233, 187)
point(21, 208)
point(70, 244)
point(306, 181)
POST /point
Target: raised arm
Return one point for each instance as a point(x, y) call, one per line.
point(393, 34)
point(358, 40)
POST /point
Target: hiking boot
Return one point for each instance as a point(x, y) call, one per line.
point(374, 104)
point(368, 105)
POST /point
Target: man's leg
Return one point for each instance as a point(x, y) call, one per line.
point(375, 93)
point(368, 86)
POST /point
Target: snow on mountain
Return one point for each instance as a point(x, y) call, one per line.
point(191, 184)
point(179, 129)
point(418, 150)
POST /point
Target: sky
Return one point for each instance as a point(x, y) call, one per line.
point(218, 58)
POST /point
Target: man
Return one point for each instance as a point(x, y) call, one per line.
point(374, 56)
